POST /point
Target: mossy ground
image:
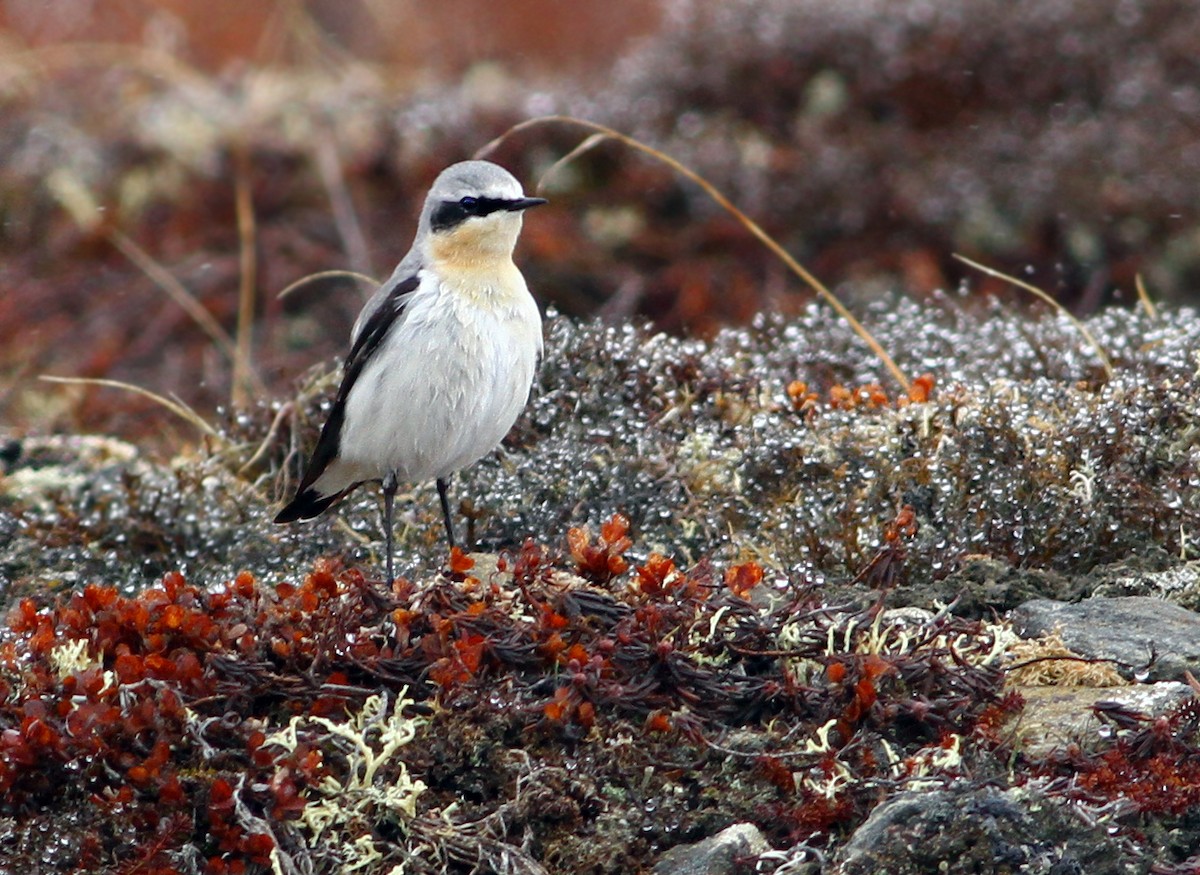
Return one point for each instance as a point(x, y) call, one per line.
point(679, 620)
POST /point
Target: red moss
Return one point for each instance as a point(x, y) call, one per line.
point(1151, 762)
point(460, 563)
point(777, 772)
point(120, 725)
point(657, 576)
point(921, 389)
point(602, 560)
point(871, 396)
point(679, 652)
point(743, 578)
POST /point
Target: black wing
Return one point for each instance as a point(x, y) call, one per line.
point(308, 502)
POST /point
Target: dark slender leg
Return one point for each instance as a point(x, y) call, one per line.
point(389, 499)
point(442, 486)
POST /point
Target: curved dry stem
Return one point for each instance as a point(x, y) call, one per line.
point(177, 292)
point(1020, 283)
point(603, 131)
point(1144, 298)
point(243, 367)
point(328, 274)
point(345, 218)
point(284, 412)
point(175, 405)
point(586, 146)
point(75, 198)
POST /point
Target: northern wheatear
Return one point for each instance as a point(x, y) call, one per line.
point(442, 357)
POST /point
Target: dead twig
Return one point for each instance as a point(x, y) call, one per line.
point(175, 405)
point(248, 280)
point(603, 132)
point(1079, 326)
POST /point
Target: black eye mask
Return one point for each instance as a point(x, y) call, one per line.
point(447, 214)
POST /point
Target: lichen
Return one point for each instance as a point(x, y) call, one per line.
point(342, 811)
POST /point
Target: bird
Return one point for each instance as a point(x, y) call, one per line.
point(442, 357)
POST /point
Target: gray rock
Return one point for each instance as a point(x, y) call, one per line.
point(717, 855)
point(1054, 717)
point(1123, 629)
point(1179, 584)
point(978, 829)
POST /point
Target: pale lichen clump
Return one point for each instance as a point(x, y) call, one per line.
point(896, 633)
point(70, 657)
point(933, 766)
point(374, 786)
point(1048, 662)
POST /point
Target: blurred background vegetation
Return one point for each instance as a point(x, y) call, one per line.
point(168, 167)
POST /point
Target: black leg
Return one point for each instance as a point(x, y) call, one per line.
point(442, 486)
point(389, 499)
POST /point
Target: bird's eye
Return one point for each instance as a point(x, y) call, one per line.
point(468, 202)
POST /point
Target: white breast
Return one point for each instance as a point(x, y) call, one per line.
point(446, 385)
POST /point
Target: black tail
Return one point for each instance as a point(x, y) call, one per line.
point(308, 504)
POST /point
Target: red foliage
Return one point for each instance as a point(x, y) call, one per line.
point(858, 675)
point(460, 563)
point(777, 772)
point(602, 560)
point(743, 578)
point(1159, 783)
point(885, 569)
point(116, 724)
point(658, 575)
point(167, 714)
point(656, 721)
point(816, 816)
point(461, 662)
point(1151, 762)
point(800, 396)
point(921, 389)
point(869, 397)
point(151, 858)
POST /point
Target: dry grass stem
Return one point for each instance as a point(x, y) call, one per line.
point(329, 168)
point(1144, 298)
point(285, 411)
point(178, 293)
point(75, 198)
point(314, 38)
point(243, 385)
point(175, 405)
point(328, 274)
point(1079, 326)
point(749, 224)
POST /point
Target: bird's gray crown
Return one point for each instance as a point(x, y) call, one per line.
point(475, 179)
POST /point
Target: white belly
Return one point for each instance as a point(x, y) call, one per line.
point(442, 391)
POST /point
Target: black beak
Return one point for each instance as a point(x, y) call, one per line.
point(524, 203)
